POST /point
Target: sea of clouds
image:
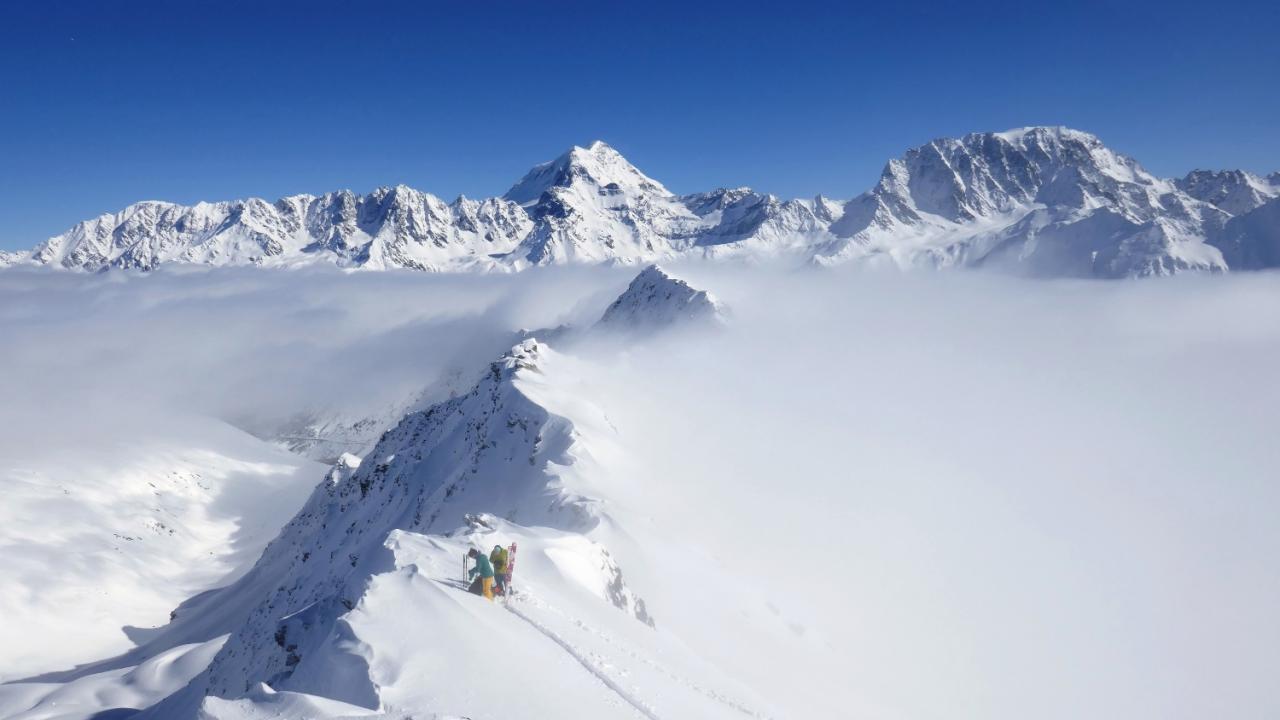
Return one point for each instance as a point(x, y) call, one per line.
point(988, 497)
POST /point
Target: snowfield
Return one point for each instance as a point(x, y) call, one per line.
point(736, 491)
point(115, 532)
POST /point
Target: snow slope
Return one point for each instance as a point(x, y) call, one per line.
point(112, 691)
point(1046, 201)
point(146, 517)
point(1251, 240)
point(558, 647)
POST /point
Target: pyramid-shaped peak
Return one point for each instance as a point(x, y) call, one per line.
point(600, 146)
point(656, 299)
point(597, 166)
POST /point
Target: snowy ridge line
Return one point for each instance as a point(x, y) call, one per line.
point(642, 707)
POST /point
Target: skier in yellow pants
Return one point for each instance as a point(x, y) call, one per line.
point(485, 568)
point(498, 558)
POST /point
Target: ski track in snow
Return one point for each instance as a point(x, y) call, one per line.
point(609, 640)
point(642, 707)
point(595, 669)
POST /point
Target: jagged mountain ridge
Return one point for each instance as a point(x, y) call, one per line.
point(1045, 201)
point(515, 458)
point(1234, 191)
point(490, 450)
point(653, 300)
point(390, 227)
point(1052, 201)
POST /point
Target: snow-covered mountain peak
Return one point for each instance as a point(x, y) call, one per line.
point(1234, 191)
point(655, 299)
point(1040, 134)
point(525, 355)
point(1048, 200)
point(597, 166)
point(592, 205)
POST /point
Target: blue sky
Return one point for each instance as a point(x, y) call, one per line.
point(106, 103)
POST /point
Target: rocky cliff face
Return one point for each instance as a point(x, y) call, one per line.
point(1232, 191)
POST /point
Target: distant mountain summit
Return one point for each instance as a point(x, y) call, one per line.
point(1048, 201)
point(1043, 201)
point(596, 166)
point(1234, 191)
point(655, 299)
point(590, 205)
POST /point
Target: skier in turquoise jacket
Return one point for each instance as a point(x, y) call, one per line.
point(485, 568)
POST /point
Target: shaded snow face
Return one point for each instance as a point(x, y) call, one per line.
point(655, 300)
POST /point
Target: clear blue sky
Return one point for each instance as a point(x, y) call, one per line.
point(109, 102)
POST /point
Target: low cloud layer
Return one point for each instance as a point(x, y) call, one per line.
point(986, 497)
point(247, 344)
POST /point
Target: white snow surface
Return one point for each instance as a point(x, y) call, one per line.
point(1045, 201)
point(101, 541)
point(118, 690)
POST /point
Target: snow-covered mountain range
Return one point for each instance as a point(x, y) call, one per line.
point(1045, 201)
